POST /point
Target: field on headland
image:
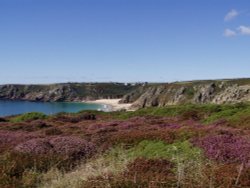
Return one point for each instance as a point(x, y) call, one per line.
point(176, 146)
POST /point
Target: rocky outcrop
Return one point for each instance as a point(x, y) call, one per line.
point(141, 95)
point(65, 92)
point(233, 94)
point(197, 92)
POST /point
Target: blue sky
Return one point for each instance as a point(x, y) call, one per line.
point(47, 41)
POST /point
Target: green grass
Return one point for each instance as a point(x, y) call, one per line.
point(206, 113)
point(161, 150)
point(232, 113)
point(28, 117)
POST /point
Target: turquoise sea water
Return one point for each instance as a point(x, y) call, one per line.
point(8, 107)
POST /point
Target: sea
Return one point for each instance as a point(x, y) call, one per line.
point(9, 107)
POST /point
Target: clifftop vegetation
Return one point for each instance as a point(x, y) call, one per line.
point(204, 145)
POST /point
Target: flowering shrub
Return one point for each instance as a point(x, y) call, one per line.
point(73, 118)
point(144, 170)
point(168, 125)
point(53, 131)
point(72, 146)
point(8, 139)
point(67, 145)
point(35, 146)
point(225, 148)
point(28, 126)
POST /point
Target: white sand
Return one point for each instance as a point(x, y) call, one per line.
point(111, 104)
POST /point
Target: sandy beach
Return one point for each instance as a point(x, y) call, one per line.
point(111, 104)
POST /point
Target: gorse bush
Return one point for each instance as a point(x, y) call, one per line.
point(28, 117)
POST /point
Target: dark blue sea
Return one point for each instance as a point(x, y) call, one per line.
point(8, 107)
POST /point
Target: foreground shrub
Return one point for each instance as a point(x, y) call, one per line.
point(73, 118)
point(144, 170)
point(53, 131)
point(67, 145)
point(226, 175)
point(9, 139)
point(136, 136)
point(188, 160)
point(139, 173)
point(35, 146)
point(16, 168)
point(72, 146)
point(109, 164)
point(28, 126)
point(225, 148)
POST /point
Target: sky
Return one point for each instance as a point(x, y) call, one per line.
point(49, 41)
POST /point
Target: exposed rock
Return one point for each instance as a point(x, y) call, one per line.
point(65, 92)
point(233, 94)
point(205, 93)
point(199, 92)
point(141, 95)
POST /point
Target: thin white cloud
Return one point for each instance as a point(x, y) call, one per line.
point(229, 33)
point(231, 15)
point(244, 30)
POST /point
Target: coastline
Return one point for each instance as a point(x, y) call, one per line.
point(111, 104)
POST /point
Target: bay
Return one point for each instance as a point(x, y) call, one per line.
point(8, 107)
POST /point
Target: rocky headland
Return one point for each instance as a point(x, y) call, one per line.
point(66, 92)
point(138, 95)
point(194, 92)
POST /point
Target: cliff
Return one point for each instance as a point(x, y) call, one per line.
point(65, 92)
point(197, 92)
point(141, 95)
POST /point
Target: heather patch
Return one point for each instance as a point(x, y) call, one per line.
point(53, 131)
point(70, 146)
point(9, 139)
point(73, 118)
point(146, 148)
point(143, 170)
point(28, 126)
point(15, 168)
point(225, 148)
point(35, 146)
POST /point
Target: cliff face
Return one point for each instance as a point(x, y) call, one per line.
point(198, 92)
point(65, 92)
point(147, 95)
